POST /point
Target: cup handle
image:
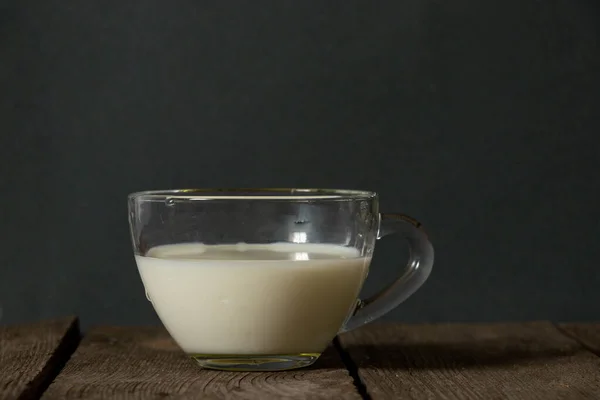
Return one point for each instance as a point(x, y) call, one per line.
point(416, 271)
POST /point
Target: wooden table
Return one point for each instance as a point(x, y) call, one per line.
point(534, 360)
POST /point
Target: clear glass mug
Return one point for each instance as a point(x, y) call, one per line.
point(264, 279)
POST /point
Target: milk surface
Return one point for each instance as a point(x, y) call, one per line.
point(272, 299)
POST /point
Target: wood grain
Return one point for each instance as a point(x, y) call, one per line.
point(586, 334)
point(472, 361)
point(31, 355)
point(144, 363)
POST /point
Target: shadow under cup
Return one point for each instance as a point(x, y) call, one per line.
point(257, 279)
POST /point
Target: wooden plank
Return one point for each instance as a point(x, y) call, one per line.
point(472, 361)
point(586, 334)
point(31, 355)
point(144, 363)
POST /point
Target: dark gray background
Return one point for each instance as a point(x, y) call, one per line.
point(479, 118)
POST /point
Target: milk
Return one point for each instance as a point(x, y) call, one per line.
point(273, 299)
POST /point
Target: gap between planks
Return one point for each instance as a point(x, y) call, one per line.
point(532, 360)
point(586, 334)
point(32, 355)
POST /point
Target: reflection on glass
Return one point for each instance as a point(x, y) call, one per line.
point(299, 237)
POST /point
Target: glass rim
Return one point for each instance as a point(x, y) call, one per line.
point(263, 194)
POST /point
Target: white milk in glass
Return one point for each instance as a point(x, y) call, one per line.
point(272, 299)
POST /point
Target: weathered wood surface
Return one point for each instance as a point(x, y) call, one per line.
point(144, 363)
point(31, 355)
point(586, 334)
point(451, 361)
point(472, 361)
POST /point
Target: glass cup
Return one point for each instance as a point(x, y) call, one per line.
point(264, 279)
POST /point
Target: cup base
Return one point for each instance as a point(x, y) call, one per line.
point(249, 363)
